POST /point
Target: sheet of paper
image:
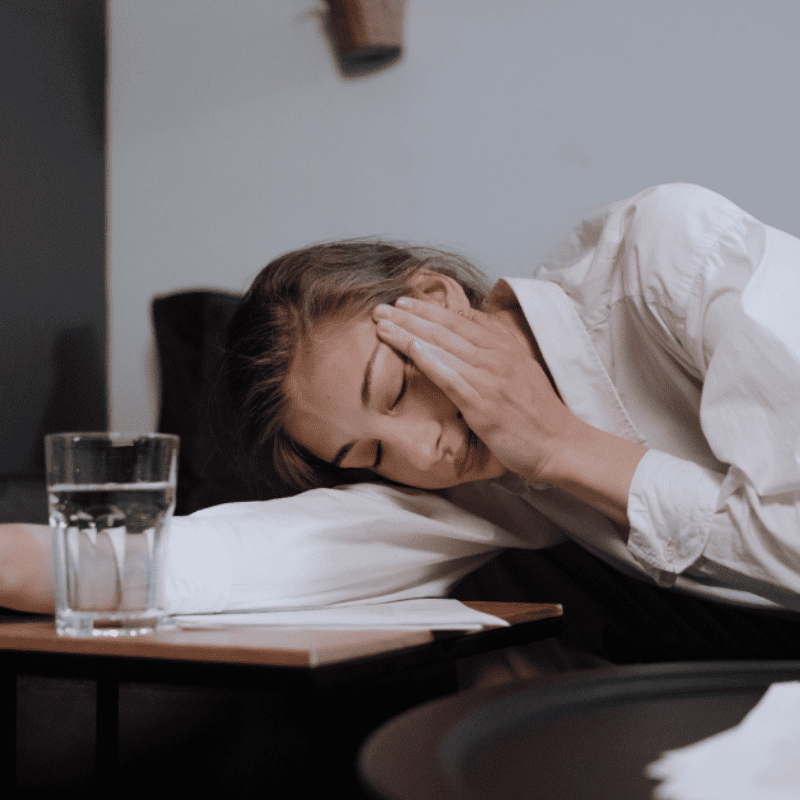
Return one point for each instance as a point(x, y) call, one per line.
point(419, 614)
point(759, 759)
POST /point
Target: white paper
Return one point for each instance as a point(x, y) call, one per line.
point(759, 759)
point(419, 614)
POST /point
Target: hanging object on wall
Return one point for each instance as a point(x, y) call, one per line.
point(368, 34)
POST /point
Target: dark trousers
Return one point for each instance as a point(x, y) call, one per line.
point(625, 620)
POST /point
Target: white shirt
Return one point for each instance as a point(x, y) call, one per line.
point(672, 319)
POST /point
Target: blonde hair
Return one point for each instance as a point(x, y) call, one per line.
point(282, 307)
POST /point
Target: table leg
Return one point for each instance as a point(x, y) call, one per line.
point(8, 713)
point(107, 732)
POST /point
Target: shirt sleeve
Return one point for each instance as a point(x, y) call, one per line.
point(740, 330)
point(355, 543)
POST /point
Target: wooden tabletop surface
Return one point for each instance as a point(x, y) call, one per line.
point(250, 644)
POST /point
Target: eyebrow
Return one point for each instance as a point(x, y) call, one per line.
point(366, 386)
point(366, 389)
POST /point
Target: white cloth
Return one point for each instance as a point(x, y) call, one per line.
point(756, 759)
point(423, 614)
point(364, 543)
point(673, 319)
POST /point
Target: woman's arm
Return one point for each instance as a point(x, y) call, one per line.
point(26, 571)
point(598, 467)
point(741, 525)
point(720, 290)
point(493, 376)
point(721, 293)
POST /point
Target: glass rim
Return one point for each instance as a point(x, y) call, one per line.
point(110, 435)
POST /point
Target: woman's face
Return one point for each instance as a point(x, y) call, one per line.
point(355, 402)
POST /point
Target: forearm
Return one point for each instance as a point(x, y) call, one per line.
point(597, 467)
point(26, 573)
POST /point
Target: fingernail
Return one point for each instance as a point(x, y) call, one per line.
point(403, 301)
point(387, 327)
point(383, 310)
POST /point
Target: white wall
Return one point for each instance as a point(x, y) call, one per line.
point(233, 136)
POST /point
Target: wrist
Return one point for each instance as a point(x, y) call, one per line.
point(596, 467)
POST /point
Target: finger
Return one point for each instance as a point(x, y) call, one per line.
point(435, 311)
point(436, 328)
point(452, 375)
point(468, 322)
point(409, 327)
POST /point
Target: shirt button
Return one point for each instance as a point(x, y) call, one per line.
point(670, 552)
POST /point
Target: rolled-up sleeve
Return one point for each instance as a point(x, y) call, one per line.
point(740, 526)
point(670, 508)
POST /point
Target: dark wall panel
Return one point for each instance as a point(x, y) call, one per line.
point(52, 221)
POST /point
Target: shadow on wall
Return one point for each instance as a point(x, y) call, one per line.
point(78, 394)
point(77, 401)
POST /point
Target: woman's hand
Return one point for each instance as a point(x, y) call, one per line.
point(490, 373)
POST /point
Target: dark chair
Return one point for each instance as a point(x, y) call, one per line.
point(190, 329)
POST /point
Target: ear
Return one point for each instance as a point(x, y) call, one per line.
point(433, 287)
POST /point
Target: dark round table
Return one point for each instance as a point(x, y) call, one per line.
point(585, 736)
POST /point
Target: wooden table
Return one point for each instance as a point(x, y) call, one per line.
point(308, 697)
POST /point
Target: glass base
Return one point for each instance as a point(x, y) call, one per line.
point(111, 623)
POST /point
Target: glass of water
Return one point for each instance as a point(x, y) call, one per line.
point(111, 496)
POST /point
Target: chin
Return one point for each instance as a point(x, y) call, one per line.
point(442, 484)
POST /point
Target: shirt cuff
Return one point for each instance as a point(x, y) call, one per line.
point(670, 505)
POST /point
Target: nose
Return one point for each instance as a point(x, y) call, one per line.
point(416, 441)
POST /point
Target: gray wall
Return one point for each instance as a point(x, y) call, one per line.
point(233, 135)
point(52, 241)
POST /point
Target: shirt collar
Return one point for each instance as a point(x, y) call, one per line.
point(577, 370)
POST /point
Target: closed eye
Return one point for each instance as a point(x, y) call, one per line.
point(404, 385)
point(378, 456)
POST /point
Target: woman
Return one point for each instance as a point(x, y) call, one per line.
point(644, 396)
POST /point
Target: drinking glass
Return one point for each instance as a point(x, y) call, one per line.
point(111, 497)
